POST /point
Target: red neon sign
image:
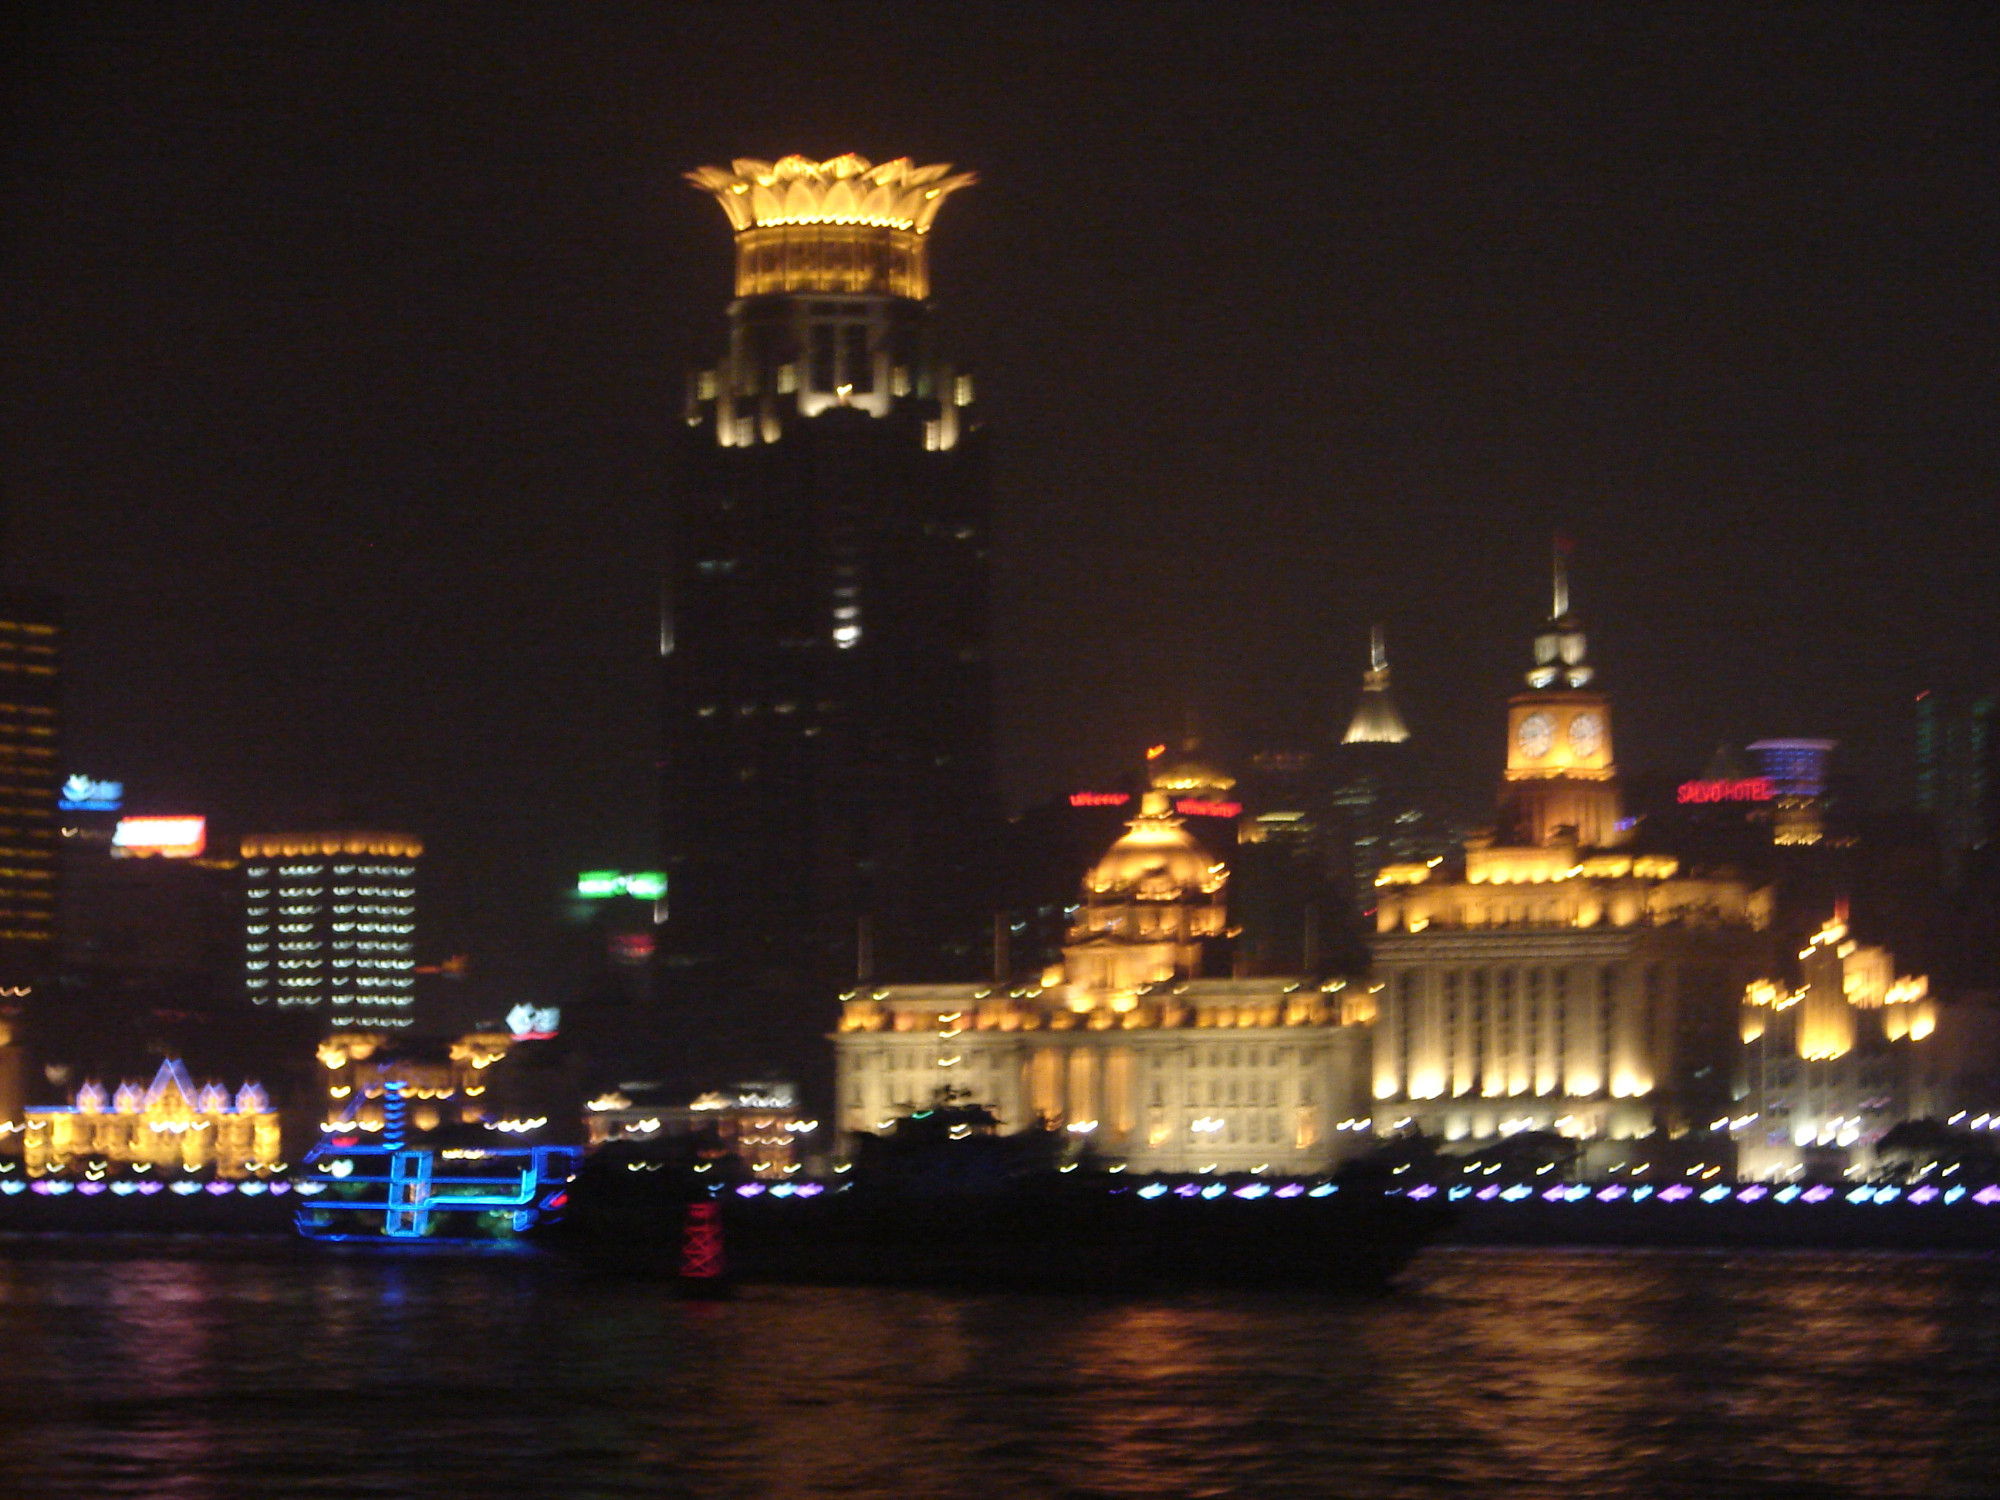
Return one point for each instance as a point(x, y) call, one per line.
point(1099, 799)
point(1749, 789)
point(1201, 807)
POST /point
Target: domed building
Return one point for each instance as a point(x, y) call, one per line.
point(1152, 907)
point(1132, 1043)
point(1187, 773)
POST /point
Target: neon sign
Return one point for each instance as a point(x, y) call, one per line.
point(597, 885)
point(170, 838)
point(534, 1023)
point(1099, 799)
point(81, 794)
point(1747, 789)
point(1201, 807)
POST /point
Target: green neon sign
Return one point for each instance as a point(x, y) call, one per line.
point(597, 885)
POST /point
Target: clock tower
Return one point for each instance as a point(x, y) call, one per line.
point(1560, 774)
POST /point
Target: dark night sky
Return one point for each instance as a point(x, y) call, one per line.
point(342, 346)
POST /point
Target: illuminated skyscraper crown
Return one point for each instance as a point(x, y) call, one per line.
point(1376, 721)
point(842, 225)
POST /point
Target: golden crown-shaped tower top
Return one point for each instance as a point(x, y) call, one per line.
point(897, 194)
point(843, 225)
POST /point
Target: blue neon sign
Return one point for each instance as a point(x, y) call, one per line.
point(82, 794)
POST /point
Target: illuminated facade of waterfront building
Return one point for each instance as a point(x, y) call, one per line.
point(760, 1124)
point(329, 926)
point(1566, 981)
point(170, 1125)
point(1834, 1061)
point(1129, 1046)
point(440, 1085)
point(828, 783)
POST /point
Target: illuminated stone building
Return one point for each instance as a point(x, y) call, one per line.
point(828, 780)
point(760, 1124)
point(329, 926)
point(1833, 1061)
point(167, 1126)
point(31, 780)
point(1563, 981)
point(1131, 1045)
point(441, 1084)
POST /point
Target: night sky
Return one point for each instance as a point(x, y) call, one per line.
point(343, 347)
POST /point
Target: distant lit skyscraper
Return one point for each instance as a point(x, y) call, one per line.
point(1376, 721)
point(31, 780)
point(828, 776)
point(1796, 773)
point(1958, 766)
point(329, 927)
point(1795, 768)
point(1371, 792)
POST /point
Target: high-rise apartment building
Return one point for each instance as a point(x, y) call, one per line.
point(828, 776)
point(329, 927)
point(30, 782)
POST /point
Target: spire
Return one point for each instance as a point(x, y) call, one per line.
point(1376, 721)
point(1560, 646)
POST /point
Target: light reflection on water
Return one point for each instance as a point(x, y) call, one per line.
point(1495, 1373)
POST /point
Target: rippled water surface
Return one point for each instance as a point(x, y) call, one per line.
point(1519, 1374)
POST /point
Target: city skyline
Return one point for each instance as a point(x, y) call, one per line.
point(342, 385)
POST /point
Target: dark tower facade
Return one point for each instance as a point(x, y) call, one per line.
point(828, 743)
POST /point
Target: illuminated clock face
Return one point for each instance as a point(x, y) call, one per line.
point(1536, 734)
point(1586, 734)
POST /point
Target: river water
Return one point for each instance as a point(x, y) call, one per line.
point(203, 1373)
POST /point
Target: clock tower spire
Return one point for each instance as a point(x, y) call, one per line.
point(1561, 780)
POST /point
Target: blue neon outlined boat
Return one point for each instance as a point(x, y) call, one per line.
point(388, 1191)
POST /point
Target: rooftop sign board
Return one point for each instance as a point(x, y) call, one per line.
point(534, 1023)
point(1203, 807)
point(1745, 789)
point(82, 794)
point(170, 838)
point(599, 885)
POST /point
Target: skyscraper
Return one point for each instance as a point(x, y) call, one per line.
point(1958, 764)
point(30, 781)
point(1371, 785)
point(329, 927)
point(828, 764)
